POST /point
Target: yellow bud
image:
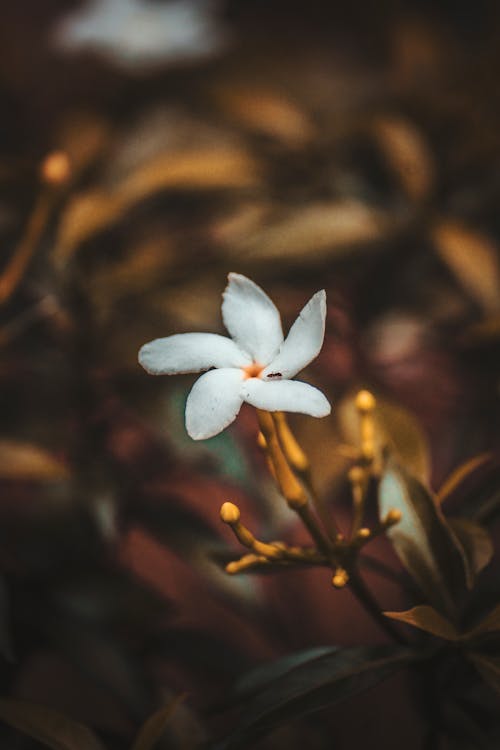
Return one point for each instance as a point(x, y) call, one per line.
point(364, 533)
point(230, 513)
point(232, 567)
point(340, 578)
point(55, 168)
point(365, 401)
point(394, 516)
point(356, 475)
point(261, 441)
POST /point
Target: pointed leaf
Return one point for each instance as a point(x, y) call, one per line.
point(460, 474)
point(476, 544)
point(47, 726)
point(473, 260)
point(258, 678)
point(490, 624)
point(25, 461)
point(423, 539)
point(153, 728)
point(426, 618)
point(314, 684)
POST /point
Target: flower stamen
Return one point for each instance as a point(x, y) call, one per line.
point(252, 371)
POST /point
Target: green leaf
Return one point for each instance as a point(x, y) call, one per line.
point(313, 684)
point(426, 618)
point(476, 544)
point(423, 540)
point(153, 728)
point(259, 677)
point(460, 474)
point(47, 726)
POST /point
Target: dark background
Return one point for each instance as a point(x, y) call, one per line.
point(348, 146)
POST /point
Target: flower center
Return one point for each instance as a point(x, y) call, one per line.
point(252, 371)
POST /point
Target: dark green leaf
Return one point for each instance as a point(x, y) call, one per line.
point(261, 676)
point(476, 544)
point(460, 475)
point(423, 539)
point(314, 684)
point(426, 618)
point(153, 728)
point(48, 726)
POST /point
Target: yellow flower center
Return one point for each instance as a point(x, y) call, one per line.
point(252, 371)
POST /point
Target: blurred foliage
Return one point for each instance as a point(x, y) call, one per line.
point(353, 147)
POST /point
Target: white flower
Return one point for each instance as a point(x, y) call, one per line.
point(255, 365)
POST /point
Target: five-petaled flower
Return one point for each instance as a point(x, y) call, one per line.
point(255, 365)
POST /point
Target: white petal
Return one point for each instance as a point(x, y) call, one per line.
point(213, 403)
point(286, 395)
point(251, 318)
point(304, 340)
point(190, 352)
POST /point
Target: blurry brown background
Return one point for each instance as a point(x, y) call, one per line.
point(351, 146)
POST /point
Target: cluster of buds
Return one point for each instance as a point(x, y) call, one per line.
point(290, 468)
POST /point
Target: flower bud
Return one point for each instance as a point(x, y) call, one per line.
point(365, 401)
point(230, 513)
point(55, 168)
point(340, 578)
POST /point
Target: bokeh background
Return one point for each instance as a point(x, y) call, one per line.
point(348, 146)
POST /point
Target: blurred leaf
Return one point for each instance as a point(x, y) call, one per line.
point(394, 427)
point(258, 678)
point(312, 685)
point(153, 728)
point(103, 659)
point(47, 726)
point(267, 112)
point(96, 210)
point(407, 154)
point(313, 233)
point(83, 136)
point(473, 259)
point(26, 461)
point(423, 539)
point(475, 491)
point(135, 273)
point(426, 618)
point(488, 667)
point(490, 624)
point(458, 475)
point(476, 544)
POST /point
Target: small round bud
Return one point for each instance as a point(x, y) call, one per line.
point(230, 513)
point(365, 401)
point(340, 578)
point(232, 567)
point(356, 475)
point(55, 168)
point(394, 516)
point(364, 533)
